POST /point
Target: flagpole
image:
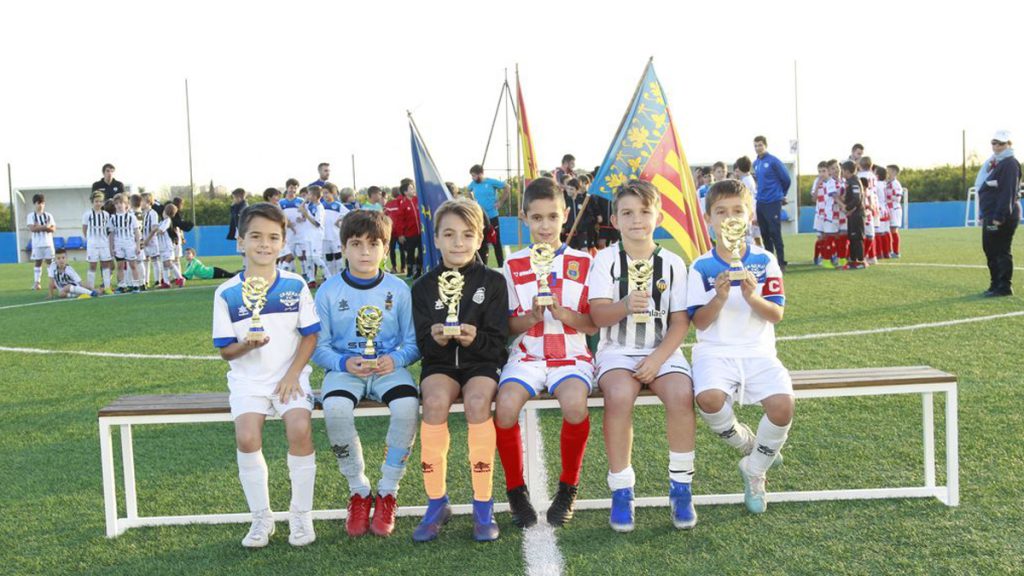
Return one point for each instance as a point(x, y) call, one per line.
point(493, 124)
point(191, 182)
point(354, 189)
point(796, 115)
point(625, 116)
point(519, 164)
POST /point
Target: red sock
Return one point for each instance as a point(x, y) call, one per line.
point(817, 248)
point(895, 241)
point(510, 449)
point(869, 247)
point(886, 244)
point(843, 246)
point(574, 444)
point(829, 247)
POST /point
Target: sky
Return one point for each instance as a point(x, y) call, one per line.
point(276, 88)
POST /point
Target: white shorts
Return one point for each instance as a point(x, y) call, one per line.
point(286, 250)
point(676, 364)
point(745, 380)
point(819, 223)
point(98, 251)
point(332, 247)
point(42, 253)
point(152, 250)
point(178, 250)
point(536, 376)
point(830, 227)
point(882, 227)
point(126, 250)
point(271, 405)
point(167, 254)
point(896, 218)
point(298, 248)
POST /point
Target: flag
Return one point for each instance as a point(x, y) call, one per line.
point(529, 158)
point(431, 191)
point(647, 148)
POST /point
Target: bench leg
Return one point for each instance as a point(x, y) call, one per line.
point(128, 461)
point(109, 486)
point(929, 438)
point(532, 452)
point(952, 449)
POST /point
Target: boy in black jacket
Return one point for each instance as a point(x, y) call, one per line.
point(469, 363)
point(854, 215)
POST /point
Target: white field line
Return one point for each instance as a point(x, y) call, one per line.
point(940, 265)
point(540, 545)
point(107, 354)
point(170, 291)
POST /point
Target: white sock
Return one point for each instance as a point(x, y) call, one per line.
point(37, 273)
point(252, 472)
point(74, 291)
point(769, 441)
point(176, 270)
point(91, 277)
point(680, 466)
point(144, 269)
point(302, 471)
point(106, 278)
point(620, 480)
point(724, 424)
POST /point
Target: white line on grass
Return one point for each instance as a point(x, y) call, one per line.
point(540, 545)
point(939, 265)
point(107, 354)
point(54, 301)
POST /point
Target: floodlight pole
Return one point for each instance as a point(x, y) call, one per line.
point(355, 191)
point(191, 182)
point(10, 192)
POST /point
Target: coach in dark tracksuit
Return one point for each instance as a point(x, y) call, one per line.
point(772, 183)
point(998, 186)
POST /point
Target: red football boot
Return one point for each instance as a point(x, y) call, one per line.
point(358, 521)
point(384, 515)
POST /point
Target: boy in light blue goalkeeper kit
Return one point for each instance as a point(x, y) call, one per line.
point(365, 236)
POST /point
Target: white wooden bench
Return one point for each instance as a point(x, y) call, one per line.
point(196, 408)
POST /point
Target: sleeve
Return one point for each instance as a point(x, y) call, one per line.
point(309, 320)
point(697, 294)
point(422, 305)
point(600, 282)
point(783, 174)
point(772, 290)
point(1009, 183)
point(85, 218)
point(677, 291)
point(223, 331)
point(165, 225)
point(897, 192)
point(408, 352)
point(73, 275)
point(28, 219)
point(498, 184)
point(492, 329)
point(515, 308)
point(325, 355)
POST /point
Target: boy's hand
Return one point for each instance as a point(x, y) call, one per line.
point(288, 389)
point(722, 285)
point(537, 312)
point(385, 365)
point(467, 336)
point(558, 311)
point(437, 333)
point(254, 346)
point(637, 301)
point(354, 365)
point(647, 369)
point(749, 286)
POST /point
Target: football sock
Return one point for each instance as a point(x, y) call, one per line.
point(620, 480)
point(37, 273)
point(725, 425)
point(401, 436)
point(341, 431)
point(510, 449)
point(769, 441)
point(680, 466)
point(176, 269)
point(106, 278)
point(434, 443)
point(90, 277)
point(252, 472)
point(481, 459)
point(302, 471)
point(895, 241)
point(574, 445)
point(74, 291)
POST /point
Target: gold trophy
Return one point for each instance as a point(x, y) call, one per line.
point(640, 272)
point(450, 284)
point(254, 297)
point(541, 258)
point(734, 233)
point(368, 320)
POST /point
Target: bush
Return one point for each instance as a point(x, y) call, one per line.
point(5, 218)
point(210, 211)
point(939, 184)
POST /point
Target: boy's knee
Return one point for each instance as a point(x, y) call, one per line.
point(339, 408)
point(575, 411)
point(711, 401)
point(779, 410)
point(477, 406)
point(506, 411)
point(248, 440)
point(435, 406)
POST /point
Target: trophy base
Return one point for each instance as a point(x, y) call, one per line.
point(641, 318)
point(452, 329)
point(545, 300)
point(255, 337)
point(370, 363)
point(737, 275)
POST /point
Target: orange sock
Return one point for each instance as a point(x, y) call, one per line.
point(434, 443)
point(482, 438)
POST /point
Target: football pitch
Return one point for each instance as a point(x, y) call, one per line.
point(52, 498)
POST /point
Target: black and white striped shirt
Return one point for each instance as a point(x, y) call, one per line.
point(65, 277)
point(97, 224)
point(150, 221)
point(41, 219)
point(124, 226)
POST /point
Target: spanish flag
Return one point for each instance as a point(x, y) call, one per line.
point(529, 158)
point(646, 148)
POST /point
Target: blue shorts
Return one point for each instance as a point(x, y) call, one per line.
point(375, 387)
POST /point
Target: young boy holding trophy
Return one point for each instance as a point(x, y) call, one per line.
point(735, 298)
point(459, 309)
point(265, 326)
point(638, 298)
point(366, 343)
point(549, 314)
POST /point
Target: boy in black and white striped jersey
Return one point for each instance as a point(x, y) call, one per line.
point(127, 240)
point(98, 242)
point(42, 225)
point(64, 281)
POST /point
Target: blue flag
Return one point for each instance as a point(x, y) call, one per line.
point(431, 191)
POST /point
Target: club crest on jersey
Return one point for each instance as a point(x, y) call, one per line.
point(572, 271)
point(478, 296)
point(438, 305)
point(661, 285)
point(343, 305)
point(389, 301)
point(290, 299)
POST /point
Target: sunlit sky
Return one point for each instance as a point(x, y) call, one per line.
point(278, 87)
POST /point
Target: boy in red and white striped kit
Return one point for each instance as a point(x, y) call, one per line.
point(869, 194)
point(842, 241)
point(550, 352)
point(883, 244)
point(894, 197)
point(818, 194)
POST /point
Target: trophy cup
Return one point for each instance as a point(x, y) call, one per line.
point(254, 297)
point(368, 320)
point(449, 284)
point(734, 231)
point(640, 272)
point(541, 258)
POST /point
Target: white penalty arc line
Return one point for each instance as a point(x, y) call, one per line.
point(56, 300)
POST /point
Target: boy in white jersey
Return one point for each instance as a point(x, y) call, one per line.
point(634, 354)
point(270, 377)
point(734, 359)
point(818, 195)
point(98, 242)
point(742, 172)
point(895, 202)
point(64, 281)
point(290, 204)
point(127, 239)
point(150, 254)
point(549, 353)
point(313, 211)
point(42, 225)
point(872, 215)
point(883, 241)
point(333, 212)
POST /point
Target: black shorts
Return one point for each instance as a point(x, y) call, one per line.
point(463, 373)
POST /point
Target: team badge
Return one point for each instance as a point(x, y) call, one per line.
point(289, 299)
point(661, 285)
point(343, 305)
point(479, 295)
point(389, 301)
point(572, 271)
point(438, 305)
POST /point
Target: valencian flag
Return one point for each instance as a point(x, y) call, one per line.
point(529, 158)
point(431, 191)
point(646, 147)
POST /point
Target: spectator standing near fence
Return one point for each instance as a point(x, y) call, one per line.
point(998, 186)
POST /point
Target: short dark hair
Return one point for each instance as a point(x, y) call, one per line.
point(880, 172)
point(314, 190)
point(262, 210)
point(403, 186)
point(291, 182)
point(760, 139)
point(240, 192)
point(59, 251)
point(642, 189)
point(270, 193)
point(322, 164)
point(476, 169)
point(568, 158)
point(893, 167)
point(107, 165)
point(370, 223)
point(743, 164)
point(718, 164)
point(857, 146)
point(374, 190)
point(822, 164)
point(866, 163)
point(177, 201)
point(849, 166)
point(542, 189)
point(36, 199)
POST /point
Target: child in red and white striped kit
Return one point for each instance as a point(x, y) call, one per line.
point(894, 191)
